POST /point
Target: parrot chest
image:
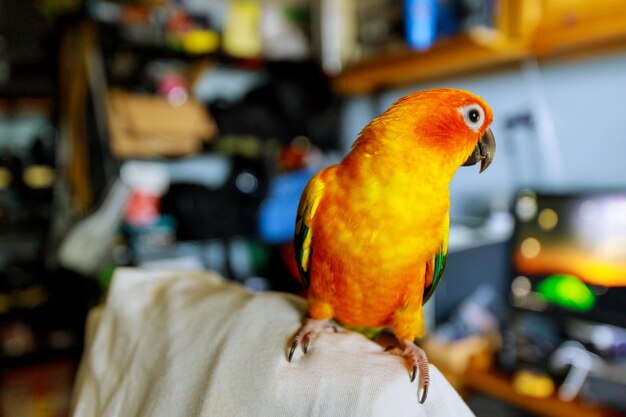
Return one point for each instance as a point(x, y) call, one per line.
point(390, 223)
point(370, 249)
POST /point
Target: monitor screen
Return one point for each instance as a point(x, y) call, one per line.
point(569, 254)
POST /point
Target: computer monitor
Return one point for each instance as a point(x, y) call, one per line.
point(569, 254)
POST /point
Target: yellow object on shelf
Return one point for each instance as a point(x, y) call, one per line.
point(39, 176)
point(533, 384)
point(200, 41)
point(242, 35)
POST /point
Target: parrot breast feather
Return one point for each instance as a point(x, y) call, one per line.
point(309, 202)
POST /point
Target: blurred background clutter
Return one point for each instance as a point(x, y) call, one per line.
point(179, 134)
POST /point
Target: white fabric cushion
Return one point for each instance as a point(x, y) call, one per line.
point(192, 344)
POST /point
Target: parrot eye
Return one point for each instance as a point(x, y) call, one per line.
point(473, 115)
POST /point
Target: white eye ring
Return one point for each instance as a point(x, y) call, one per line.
point(474, 116)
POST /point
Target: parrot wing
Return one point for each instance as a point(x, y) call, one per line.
point(303, 234)
point(435, 267)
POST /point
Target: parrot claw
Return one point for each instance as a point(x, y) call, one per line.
point(416, 359)
point(294, 345)
point(424, 390)
point(307, 333)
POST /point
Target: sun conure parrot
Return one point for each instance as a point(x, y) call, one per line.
point(371, 232)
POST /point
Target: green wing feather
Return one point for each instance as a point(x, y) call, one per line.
point(303, 233)
point(436, 266)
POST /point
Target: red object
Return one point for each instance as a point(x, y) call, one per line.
point(291, 158)
point(180, 22)
point(136, 15)
point(170, 82)
point(142, 209)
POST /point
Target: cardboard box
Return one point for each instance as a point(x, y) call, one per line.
point(143, 125)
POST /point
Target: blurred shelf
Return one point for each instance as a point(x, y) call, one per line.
point(26, 104)
point(456, 55)
point(603, 27)
point(544, 31)
point(498, 385)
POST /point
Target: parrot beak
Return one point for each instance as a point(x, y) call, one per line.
point(484, 152)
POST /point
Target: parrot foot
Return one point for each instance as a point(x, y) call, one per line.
point(309, 332)
point(415, 357)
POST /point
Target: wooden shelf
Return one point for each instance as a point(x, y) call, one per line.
point(499, 386)
point(577, 38)
point(559, 28)
point(452, 56)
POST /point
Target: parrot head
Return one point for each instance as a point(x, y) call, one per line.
point(447, 125)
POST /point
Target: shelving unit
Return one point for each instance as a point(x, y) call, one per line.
point(453, 56)
point(524, 29)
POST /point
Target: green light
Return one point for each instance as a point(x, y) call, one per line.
point(567, 291)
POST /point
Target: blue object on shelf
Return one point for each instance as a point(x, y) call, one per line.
point(277, 214)
point(421, 23)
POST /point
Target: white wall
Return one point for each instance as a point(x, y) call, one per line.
point(580, 104)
